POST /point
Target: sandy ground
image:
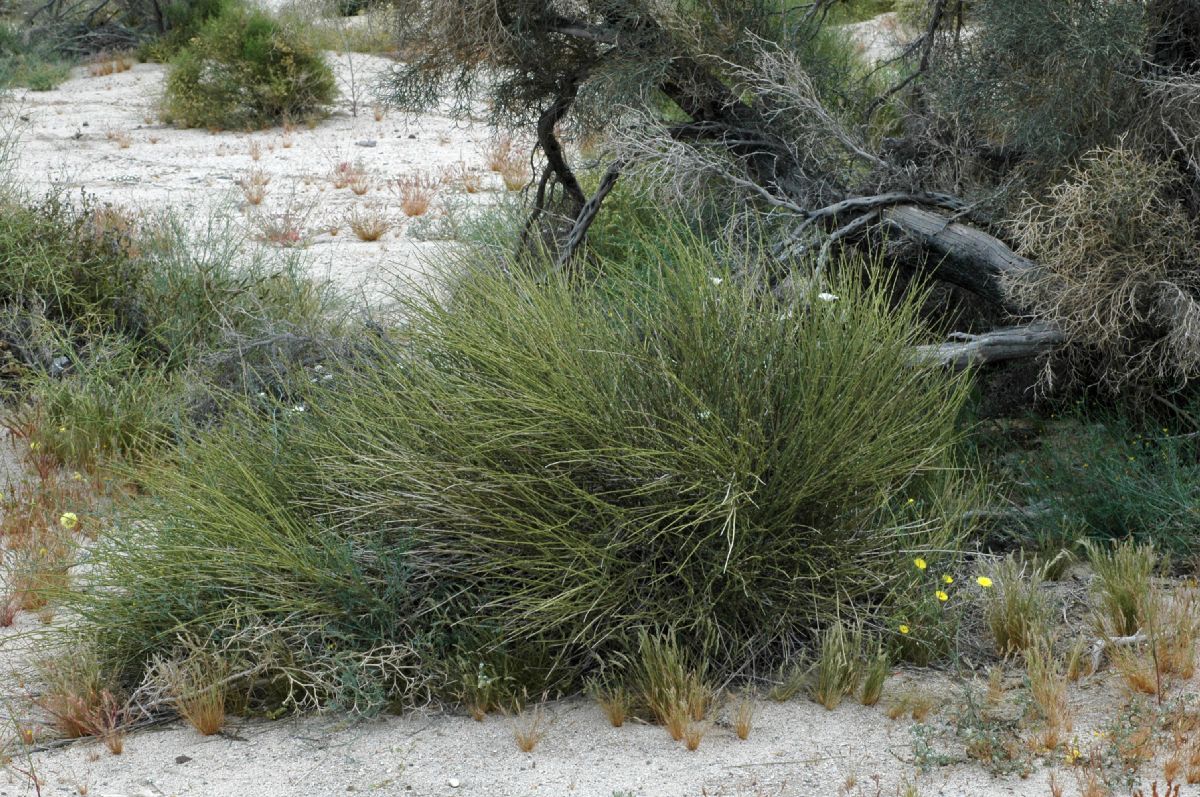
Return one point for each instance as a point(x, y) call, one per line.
point(101, 135)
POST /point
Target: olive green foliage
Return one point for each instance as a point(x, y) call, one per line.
point(182, 20)
point(245, 70)
point(108, 322)
point(534, 468)
point(25, 63)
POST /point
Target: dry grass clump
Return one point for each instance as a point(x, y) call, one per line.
point(254, 148)
point(368, 223)
point(254, 185)
point(460, 174)
point(80, 703)
point(119, 137)
point(1122, 584)
point(105, 63)
point(876, 674)
point(1119, 269)
point(515, 173)
point(345, 173)
point(615, 701)
point(1048, 688)
point(285, 229)
point(197, 683)
point(1015, 609)
point(678, 694)
point(416, 192)
point(530, 727)
point(360, 182)
point(914, 703)
point(838, 668)
point(743, 717)
point(498, 153)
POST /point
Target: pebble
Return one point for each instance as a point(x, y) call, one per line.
point(454, 783)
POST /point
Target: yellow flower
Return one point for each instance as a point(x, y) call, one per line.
point(1073, 755)
point(920, 563)
point(947, 579)
point(912, 500)
point(62, 429)
point(984, 582)
point(942, 596)
point(77, 476)
point(69, 520)
point(903, 628)
point(35, 445)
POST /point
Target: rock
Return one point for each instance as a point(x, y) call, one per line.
point(367, 142)
point(182, 759)
point(454, 783)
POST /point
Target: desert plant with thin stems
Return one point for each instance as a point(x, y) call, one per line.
point(873, 678)
point(530, 727)
point(676, 692)
point(912, 702)
point(254, 149)
point(743, 717)
point(378, 111)
point(498, 153)
point(1015, 608)
point(360, 182)
point(837, 670)
point(344, 172)
point(285, 229)
point(120, 137)
point(460, 174)
point(80, 702)
point(254, 185)
point(196, 681)
point(1048, 688)
point(614, 700)
point(287, 140)
point(515, 173)
point(416, 192)
point(995, 686)
point(369, 223)
point(1123, 576)
point(694, 734)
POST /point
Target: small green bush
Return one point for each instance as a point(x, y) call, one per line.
point(183, 20)
point(244, 70)
point(539, 467)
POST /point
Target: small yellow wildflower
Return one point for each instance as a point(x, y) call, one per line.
point(947, 579)
point(34, 445)
point(984, 582)
point(903, 628)
point(62, 429)
point(920, 563)
point(942, 596)
point(69, 520)
point(77, 476)
point(912, 501)
point(1073, 755)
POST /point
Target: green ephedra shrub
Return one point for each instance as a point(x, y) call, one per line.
point(246, 70)
point(539, 469)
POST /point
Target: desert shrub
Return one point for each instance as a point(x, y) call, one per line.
point(245, 70)
point(180, 22)
point(1119, 261)
point(1108, 478)
point(535, 467)
point(26, 62)
point(116, 327)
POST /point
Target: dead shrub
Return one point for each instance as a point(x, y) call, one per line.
point(369, 223)
point(1120, 270)
point(416, 192)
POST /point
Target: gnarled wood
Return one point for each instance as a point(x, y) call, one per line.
point(1007, 343)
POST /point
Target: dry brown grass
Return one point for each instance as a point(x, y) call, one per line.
point(368, 223)
point(1048, 688)
point(615, 702)
point(254, 186)
point(694, 734)
point(254, 148)
point(416, 192)
point(743, 717)
point(360, 183)
point(105, 63)
point(287, 229)
point(461, 175)
point(120, 137)
point(515, 173)
point(498, 153)
point(1119, 269)
point(342, 174)
point(915, 703)
point(196, 682)
point(530, 727)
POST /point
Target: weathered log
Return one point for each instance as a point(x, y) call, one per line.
point(1007, 343)
point(971, 258)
